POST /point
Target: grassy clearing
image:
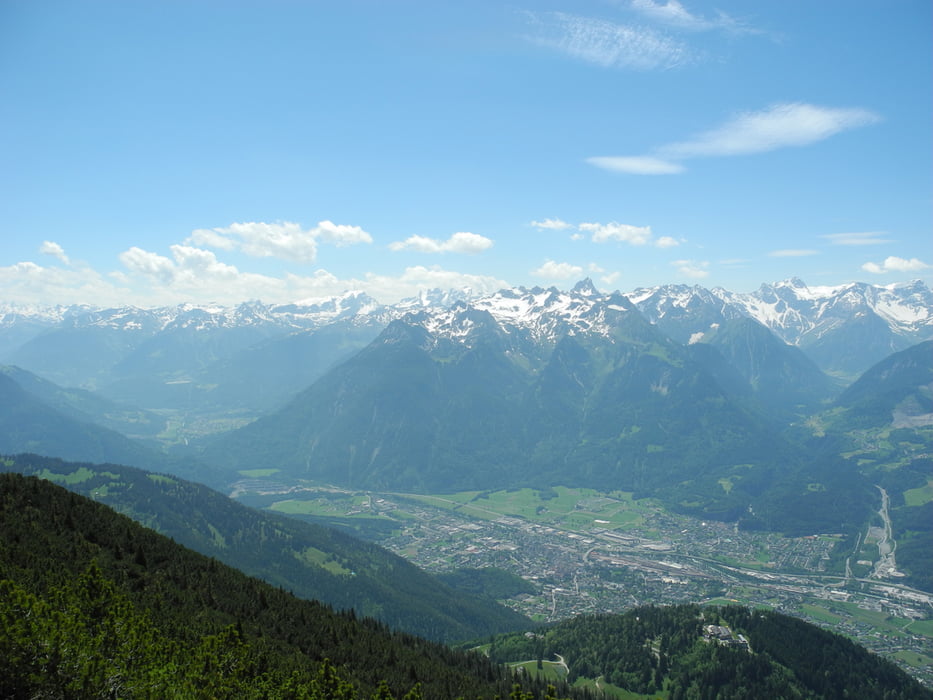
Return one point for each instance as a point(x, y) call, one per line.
point(348, 508)
point(316, 557)
point(881, 621)
point(820, 613)
point(78, 476)
point(914, 659)
point(257, 473)
point(919, 495)
point(549, 671)
point(924, 627)
point(613, 691)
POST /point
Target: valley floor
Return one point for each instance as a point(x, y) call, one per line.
point(586, 552)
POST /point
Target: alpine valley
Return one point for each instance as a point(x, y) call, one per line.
point(794, 412)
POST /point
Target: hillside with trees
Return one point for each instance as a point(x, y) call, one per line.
point(687, 651)
point(92, 604)
point(309, 560)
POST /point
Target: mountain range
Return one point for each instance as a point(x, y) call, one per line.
point(699, 397)
point(255, 356)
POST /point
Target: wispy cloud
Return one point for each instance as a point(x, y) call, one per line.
point(286, 240)
point(674, 14)
point(793, 253)
point(613, 231)
point(609, 232)
point(896, 264)
point(779, 126)
point(557, 270)
point(636, 165)
point(462, 242)
point(692, 268)
point(607, 44)
point(552, 224)
point(862, 238)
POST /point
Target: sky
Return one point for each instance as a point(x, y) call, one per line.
point(157, 152)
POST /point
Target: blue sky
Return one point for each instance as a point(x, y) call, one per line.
point(164, 151)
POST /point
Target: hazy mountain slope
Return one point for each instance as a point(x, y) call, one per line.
point(87, 406)
point(538, 387)
point(27, 424)
point(782, 376)
point(78, 355)
point(882, 426)
point(93, 604)
point(380, 418)
point(309, 560)
point(264, 376)
point(899, 389)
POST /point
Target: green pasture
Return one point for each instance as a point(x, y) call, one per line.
point(920, 495)
point(76, 477)
point(323, 506)
point(549, 671)
point(573, 508)
point(257, 473)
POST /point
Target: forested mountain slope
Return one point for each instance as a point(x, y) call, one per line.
point(309, 560)
point(93, 604)
point(688, 651)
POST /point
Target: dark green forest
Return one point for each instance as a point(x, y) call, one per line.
point(95, 605)
point(309, 560)
point(664, 650)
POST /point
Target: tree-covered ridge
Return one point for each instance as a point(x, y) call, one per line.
point(674, 652)
point(309, 560)
point(94, 605)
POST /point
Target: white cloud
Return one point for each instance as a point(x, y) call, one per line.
point(862, 238)
point(340, 234)
point(607, 44)
point(896, 264)
point(636, 165)
point(691, 268)
point(613, 231)
point(779, 126)
point(793, 253)
point(557, 271)
point(193, 274)
point(211, 238)
point(667, 242)
point(552, 224)
point(462, 242)
point(285, 240)
point(55, 250)
point(148, 264)
point(414, 279)
point(29, 283)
